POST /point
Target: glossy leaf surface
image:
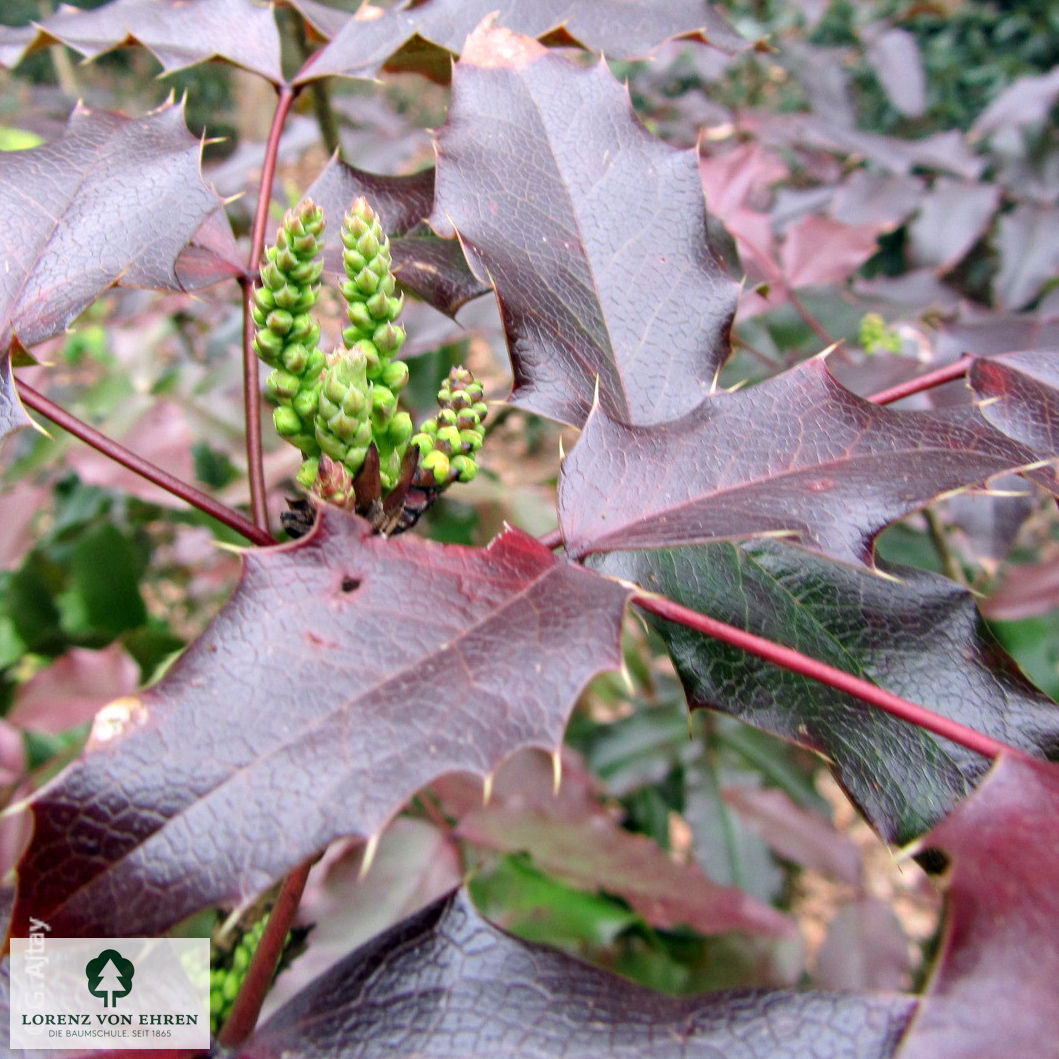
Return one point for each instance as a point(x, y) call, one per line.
point(796, 456)
point(606, 209)
point(993, 990)
point(448, 983)
point(179, 33)
point(434, 269)
point(918, 635)
point(1019, 395)
point(12, 415)
point(114, 200)
point(424, 37)
point(346, 672)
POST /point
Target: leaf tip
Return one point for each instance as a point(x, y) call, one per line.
point(370, 849)
point(493, 47)
point(116, 719)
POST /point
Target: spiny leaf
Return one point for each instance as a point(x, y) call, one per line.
point(12, 416)
point(797, 455)
point(445, 982)
point(597, 251)
point(434, 269)
point(919, 637)
point(179, 33)
point(401, 202)
point(423, 37)
point(114, 200)
point(993, 989)
point(1019, 395)
point(346, 672)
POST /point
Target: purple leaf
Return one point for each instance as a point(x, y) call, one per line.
point(401, 202)
point(865, 948)
point(796, 834)
point(346, 672)
point(425, 36)
point(593, 852)
point(951, 219)
point(993, 990)
point(180, 33)
point(1025, 592)
point(797, 455)
point(1019, 394)
point(948, 152)
point(820, 250)
point(446, 982)
point(115, 200)
point(1026, 101)
point(603, 206)
point(414, 865)
point(895, 59)
point(12, 415)
point(1029, 256)
point(987, 333)
point(434, 269)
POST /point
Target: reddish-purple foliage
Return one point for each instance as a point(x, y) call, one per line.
point(349, 671)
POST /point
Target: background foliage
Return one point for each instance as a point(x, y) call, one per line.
point(882, 178)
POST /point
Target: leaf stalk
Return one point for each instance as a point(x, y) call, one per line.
point(138, 465)
point(251, 385)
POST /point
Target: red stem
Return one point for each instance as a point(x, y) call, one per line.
point(924, 382)
point(552, 539)
point(152, 472)
point(251, 385)
point(796, 662)
point(247, 1007)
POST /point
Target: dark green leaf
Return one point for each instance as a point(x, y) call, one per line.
point(919, 637)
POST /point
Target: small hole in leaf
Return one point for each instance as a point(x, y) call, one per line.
point(350, 584)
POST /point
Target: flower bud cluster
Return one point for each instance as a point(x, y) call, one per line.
point(336, 407)
point(226, 980)
point(448, 443)
point(287, 335)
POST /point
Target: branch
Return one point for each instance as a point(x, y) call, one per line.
point(251, 384)
point(924, 382)
point(152, 472)
point(796, 662)
point(243, 1017)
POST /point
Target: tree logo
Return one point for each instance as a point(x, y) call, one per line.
point(109, 976)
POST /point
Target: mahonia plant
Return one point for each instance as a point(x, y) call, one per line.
point(341, 409)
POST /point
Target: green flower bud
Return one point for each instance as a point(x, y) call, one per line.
point(383, 403)
point(268, 346)
point(399, 430)
point(295, 359)
point(464, 468)
point(366, 281)
point(307, 473)
point(448, 440)
point(264, 302)
point(287, 421)
point(282, 385)
point(471, 440)
point(434, 468)
point(388, 339)
point(279, 321)
point(394, 375)
point(303, 330)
